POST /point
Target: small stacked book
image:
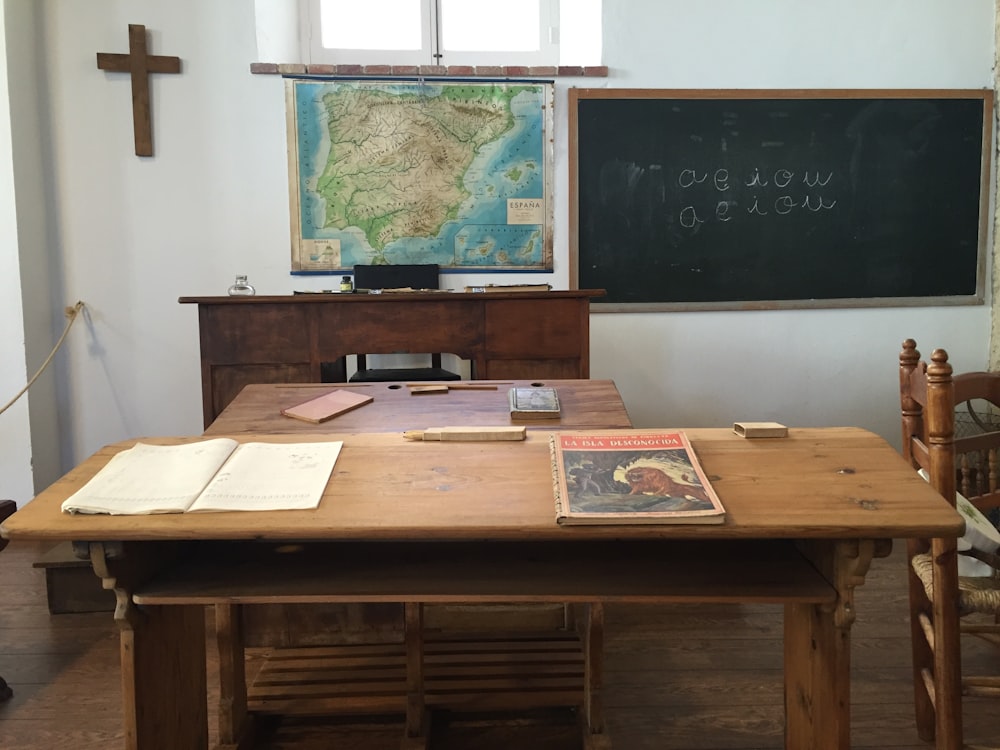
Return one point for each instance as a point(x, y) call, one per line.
point(630, 477)
point(533, 403)
point(488, 288)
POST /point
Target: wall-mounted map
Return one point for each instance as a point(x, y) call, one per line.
point(456, 173)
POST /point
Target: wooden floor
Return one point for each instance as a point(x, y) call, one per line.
point(684, 678)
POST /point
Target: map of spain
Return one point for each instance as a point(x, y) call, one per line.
point(454, 173)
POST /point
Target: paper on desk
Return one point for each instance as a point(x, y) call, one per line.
point(217, 474)
point(271, 476)
point(152, 478)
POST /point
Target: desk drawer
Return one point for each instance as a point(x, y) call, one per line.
point(273, 334)
point(525, 329)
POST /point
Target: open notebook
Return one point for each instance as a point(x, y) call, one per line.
point(209, 475)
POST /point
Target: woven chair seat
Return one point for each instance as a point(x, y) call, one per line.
point(975, 595)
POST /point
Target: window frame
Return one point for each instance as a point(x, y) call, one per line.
point(310, 24)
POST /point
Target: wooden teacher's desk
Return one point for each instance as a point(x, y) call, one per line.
point(474, 522)
point(288, 339)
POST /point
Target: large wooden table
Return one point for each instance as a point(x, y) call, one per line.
point(287, 339)
point(473, 522)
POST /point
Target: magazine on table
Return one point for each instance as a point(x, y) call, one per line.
point(629, 477)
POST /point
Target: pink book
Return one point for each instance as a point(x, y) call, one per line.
point(327, 406)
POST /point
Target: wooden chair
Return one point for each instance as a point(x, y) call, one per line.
point(944, 605)
point(414, 276)
point(7, 508)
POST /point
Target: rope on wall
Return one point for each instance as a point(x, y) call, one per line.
point(71, 313)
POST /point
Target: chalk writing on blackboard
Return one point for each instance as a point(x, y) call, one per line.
point(790, 193)
point(769, 199)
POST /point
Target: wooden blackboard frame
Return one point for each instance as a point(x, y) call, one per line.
point(576, 96)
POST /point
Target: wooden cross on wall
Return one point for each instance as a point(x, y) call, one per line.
point(140, 64)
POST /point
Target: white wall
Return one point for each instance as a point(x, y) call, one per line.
point(134, 233)
point(40, 287)
point(15, 448)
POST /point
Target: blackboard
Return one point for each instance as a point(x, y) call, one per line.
point(766, 199)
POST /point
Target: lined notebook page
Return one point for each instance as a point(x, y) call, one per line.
point(271, 476)
point(152, 478)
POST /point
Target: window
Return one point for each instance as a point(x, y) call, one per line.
point(453, 32)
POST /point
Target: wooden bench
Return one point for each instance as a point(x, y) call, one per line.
point(7, 508)
point(70, 583)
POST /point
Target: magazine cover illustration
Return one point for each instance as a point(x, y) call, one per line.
point(635, 476)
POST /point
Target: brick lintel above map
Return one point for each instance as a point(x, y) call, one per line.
point(485, 71)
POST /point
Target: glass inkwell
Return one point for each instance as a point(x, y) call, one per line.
point(241, 288)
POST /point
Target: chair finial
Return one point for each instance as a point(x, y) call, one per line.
point(939, 366)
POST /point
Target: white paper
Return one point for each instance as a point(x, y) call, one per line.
point(152, 478)
point(198, 477)
point(271, 476)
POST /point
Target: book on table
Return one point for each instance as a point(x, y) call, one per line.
point(630, 477)
point(497, 288)
point(322, 408)
point(209, 475)
point(533, 402)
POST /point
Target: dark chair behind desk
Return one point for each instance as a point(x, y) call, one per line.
point(418, 276)
point(7, 508)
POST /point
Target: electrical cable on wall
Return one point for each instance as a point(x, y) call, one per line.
point(71, 313)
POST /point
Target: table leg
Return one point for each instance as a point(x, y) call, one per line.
point(164, 682)
point(594, 735)
point(818, 648)
point(236, 728)
point(817, 680)
point(163, 678)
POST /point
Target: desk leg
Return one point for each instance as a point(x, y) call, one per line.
point(594, 735)
point(164, 683)
point(817, 680)
point(818, 649)
point(163, 678)
point(236, 729)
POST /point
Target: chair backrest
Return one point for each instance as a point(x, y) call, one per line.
point(932, 399)
point(413, 275)
point(955, 459)
point(927, 405)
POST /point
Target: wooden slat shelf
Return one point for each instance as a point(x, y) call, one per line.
point(462, 672)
